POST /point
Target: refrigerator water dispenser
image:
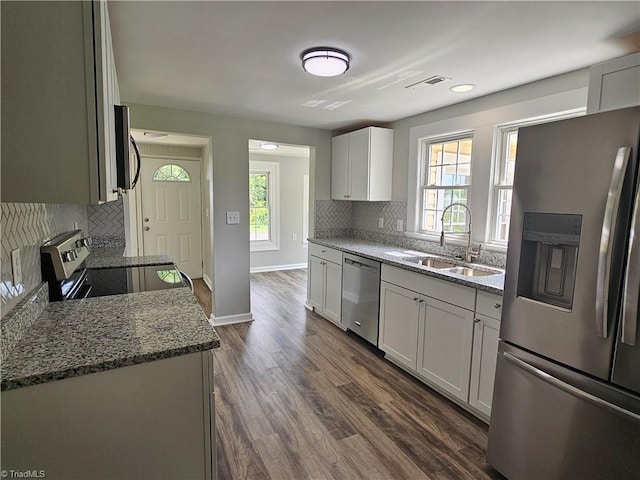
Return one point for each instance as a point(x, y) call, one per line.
point(548, 258)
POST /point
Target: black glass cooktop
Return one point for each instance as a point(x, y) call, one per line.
point(114, 281)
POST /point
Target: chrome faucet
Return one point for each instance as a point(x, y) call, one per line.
point(470, 254)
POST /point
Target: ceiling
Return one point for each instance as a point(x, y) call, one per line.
point(243, 58)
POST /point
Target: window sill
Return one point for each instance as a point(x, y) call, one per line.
point(450, 238)
point(265, 247)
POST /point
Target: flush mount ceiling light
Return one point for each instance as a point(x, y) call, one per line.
point(325, 61)
point(269, 146)
point(156, 134)
point(463, 87)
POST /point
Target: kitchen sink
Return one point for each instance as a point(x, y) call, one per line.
point(435, 263)
point(431, 261)
point(473, 272)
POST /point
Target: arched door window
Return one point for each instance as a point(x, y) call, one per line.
point(171, 173)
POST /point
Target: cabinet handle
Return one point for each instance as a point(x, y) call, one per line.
point(477, 320)
point(497, 305)
point(416, 299)
point(421, 300)
point(324, 251)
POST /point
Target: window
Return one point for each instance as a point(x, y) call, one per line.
point(503, 188)
point(263, 205)
point(445, 178)
point(506, 143)
point(171, 173)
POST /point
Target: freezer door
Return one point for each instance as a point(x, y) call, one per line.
point(626, 363)
point(582, 171)
point(548, 422)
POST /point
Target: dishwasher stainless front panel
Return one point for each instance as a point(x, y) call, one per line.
point(361, 296)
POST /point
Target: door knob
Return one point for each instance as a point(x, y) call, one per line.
point(146, 229)
point(146, 219)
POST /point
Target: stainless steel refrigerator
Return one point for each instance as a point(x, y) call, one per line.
point(566, 401)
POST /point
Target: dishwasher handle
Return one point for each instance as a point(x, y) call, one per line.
point(362, 266)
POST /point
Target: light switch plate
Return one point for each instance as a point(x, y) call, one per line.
point(233, 218)
point(381, 222)
point(399, 224)
point(16, 266)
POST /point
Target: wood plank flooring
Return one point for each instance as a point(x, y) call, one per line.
point(298, 398)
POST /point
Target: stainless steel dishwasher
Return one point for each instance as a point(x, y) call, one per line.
point(361, 296)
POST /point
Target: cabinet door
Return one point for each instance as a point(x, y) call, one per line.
point(332, 291)
point(445, 347)
point(614, 84)
point(483, 367)
point(359, 168)
point(316, 282)
point(340, 167)
point(399, 316)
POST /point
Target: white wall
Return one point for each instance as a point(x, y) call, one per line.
point(481, 116)
point(291, 252)
point(230, 137)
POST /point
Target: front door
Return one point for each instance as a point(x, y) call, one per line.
point(171, 212)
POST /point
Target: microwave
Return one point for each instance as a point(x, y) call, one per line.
point(124, 142)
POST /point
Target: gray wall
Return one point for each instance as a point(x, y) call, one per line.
point(292, 252)
point(230, 137)
point(26, 226)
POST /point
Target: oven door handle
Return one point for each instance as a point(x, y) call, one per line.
point(187, 279)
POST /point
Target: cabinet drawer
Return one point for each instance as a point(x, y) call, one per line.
point(325, 253)
point(443, 290)
point(489, 305)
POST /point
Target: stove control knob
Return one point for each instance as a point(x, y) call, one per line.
point(83, 242)
point(69, 256)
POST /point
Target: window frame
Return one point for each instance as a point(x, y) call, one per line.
point(423, 164)
point(272, 169)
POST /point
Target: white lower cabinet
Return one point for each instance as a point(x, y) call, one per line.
point(399, 322)
point(485, 351)
point(325, 282)
point(151, 420)
point(431, 328)
point(445, 347)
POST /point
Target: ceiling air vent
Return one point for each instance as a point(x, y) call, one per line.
point(433, 80)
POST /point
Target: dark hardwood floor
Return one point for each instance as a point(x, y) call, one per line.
point(297, 398)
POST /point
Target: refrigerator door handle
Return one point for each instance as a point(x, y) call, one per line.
point(607, 240)
point(564, 386)
point(631, 290)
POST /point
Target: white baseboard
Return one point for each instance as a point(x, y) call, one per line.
point(275, 268)
point(207, 280)
point(230, 319)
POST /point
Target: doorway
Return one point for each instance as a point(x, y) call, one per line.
point(171, 211)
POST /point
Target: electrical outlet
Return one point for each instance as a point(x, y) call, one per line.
point(381, 222)
point(399, 225)
point(16, 267)
point(233, 218)
point(294, 237)
point(75, 225)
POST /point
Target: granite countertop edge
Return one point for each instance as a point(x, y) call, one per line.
point(368, 249)
point(79, 371)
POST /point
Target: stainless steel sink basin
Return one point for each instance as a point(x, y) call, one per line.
point(431, 261)
point(435, 263)
point(472, 272)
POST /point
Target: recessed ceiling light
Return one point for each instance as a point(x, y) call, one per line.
point(463, 87)
point(325, 61)
point(156, 134)
point(269, 146)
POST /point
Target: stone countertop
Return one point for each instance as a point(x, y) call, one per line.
point(80, 337)
point(393, 255)
point(113, 257)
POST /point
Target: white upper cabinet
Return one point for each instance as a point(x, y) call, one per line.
point(361, 164)
point(58, 74)
point(614, 84)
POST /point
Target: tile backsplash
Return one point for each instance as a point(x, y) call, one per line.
point(26, 226)
point(106, 224)
point(360, 220)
